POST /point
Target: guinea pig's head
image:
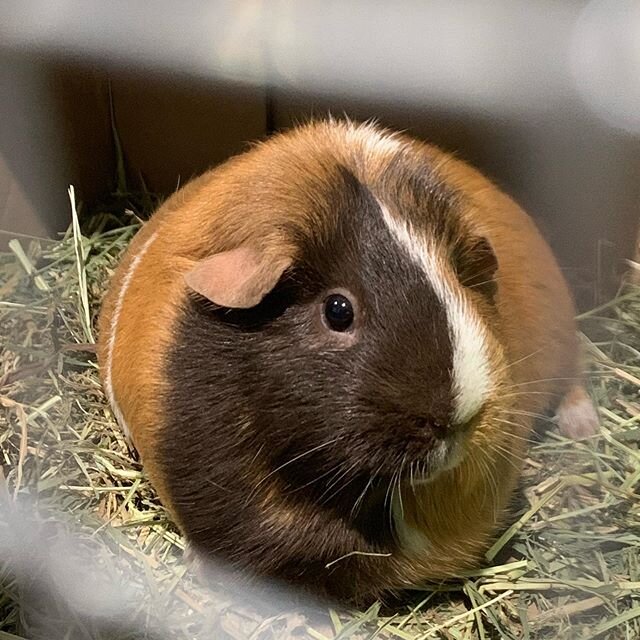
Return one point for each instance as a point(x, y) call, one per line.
point(349, 336)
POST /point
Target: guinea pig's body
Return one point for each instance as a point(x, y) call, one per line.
point(330, 351)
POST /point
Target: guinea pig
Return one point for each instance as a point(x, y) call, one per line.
point(330, 352)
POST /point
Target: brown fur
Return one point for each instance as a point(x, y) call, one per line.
point(534, 345)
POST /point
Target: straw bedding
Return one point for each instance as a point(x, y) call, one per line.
point(569, 567)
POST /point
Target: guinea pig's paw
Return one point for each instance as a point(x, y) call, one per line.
point(577, 417)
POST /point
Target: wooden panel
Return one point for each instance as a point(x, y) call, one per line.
point(57, 131)
point(33, 154)
point(172, 129)
point(17, 214)
point(82, 115)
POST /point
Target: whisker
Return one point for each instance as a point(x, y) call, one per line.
point(389, 502)
point(294, 459)
point(322, 499)
point(514, 437)
point(411, 479)
point(356, 506)
point(488, 473)
point(399, 487)
point(519, 360)
point(526, 393)
point(530, 414)
point(540, 380)
point(506, 455)
point(484, 484)
point(510, 434)
point(331, 471)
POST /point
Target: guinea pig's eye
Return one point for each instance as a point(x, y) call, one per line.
point(338, 312)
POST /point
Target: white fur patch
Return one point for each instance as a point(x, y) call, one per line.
point(471, 372)
point(373, 139)
point(108, 377)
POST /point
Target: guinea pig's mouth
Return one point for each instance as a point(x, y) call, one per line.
point(448, 450)
point(444, 456)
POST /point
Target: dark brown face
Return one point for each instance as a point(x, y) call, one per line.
point(338, 381)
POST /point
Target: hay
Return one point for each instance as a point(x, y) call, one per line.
point(568, 568)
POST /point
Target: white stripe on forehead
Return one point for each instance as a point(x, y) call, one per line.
point(471, 373)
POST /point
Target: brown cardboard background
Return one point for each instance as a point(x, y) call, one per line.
point(57, 131)
point(172, 130)
point(81, 110)
point(34, 158)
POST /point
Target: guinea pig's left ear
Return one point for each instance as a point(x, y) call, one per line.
point(239, 278)
point(476, 265)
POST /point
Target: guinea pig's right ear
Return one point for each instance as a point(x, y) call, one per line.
point(476, 265)
point(237, 279)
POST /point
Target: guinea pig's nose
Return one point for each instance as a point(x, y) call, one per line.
point(439, 428)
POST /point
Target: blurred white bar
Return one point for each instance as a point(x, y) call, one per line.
point(606, 60)
point(510, 56)
point(70, 578)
